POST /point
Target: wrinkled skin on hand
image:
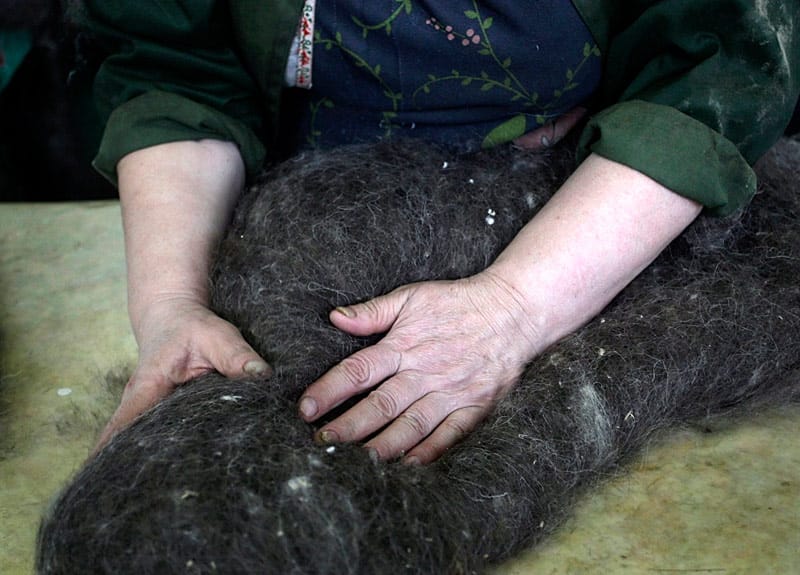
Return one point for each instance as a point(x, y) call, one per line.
point(452, 349)
point(180, 339)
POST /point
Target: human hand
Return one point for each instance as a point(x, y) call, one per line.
point(179, 339)
point(452, 350)
point(552, 131)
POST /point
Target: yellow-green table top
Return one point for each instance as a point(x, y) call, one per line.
point(724, 502)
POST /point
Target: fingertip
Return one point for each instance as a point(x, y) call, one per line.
point(347, 312)
point(374, 455)
point(226, 351)
point(326, 437)
point(368, 317)
point(423, 454)
point(346, 318)
point(257, 368)
point(308, 408)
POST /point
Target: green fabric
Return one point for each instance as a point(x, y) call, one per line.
point(597, 15)
point(170, 55)
point(160, 117)
point(694, 91)
point(633, 133)
point(264, 33)
point(732, 66)
point(14, 46)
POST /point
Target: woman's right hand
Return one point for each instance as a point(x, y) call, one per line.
point(176, 200)
point(180, 339)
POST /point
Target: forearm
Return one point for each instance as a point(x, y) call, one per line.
point(176, 199)
point(597, 233)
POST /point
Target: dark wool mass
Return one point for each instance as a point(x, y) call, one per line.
point(223, 476)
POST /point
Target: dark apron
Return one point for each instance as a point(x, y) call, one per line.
point(462, 73)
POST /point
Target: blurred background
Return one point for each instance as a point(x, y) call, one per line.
point(49, 130)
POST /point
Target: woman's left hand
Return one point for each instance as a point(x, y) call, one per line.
point(452, 349)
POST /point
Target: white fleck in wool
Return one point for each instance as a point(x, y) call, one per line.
point(299, 483)
point(595, 419)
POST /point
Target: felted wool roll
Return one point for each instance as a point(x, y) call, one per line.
point(223, 476)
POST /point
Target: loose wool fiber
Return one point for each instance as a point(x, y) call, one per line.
point(223, 476)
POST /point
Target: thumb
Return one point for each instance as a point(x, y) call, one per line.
point(231, 355)
point(370, 317)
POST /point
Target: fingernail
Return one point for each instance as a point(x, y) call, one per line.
point(412, 460)
point(255, 367)
point(308, 407)
point(328, 436)
point(373, 455)
point(346, 312)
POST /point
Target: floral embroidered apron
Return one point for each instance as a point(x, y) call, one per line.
point(460, 72)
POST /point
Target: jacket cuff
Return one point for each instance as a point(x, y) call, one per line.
point(675, 150)
point(160, 117)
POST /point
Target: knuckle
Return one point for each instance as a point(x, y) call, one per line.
point(456, 428)
point(384, 402)
point(377, 309)
point(371, 306)
point(485, 395)
point(358, 370)
point(417, 422)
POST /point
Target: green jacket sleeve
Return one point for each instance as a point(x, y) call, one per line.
point(172, 74)
point(694, 91)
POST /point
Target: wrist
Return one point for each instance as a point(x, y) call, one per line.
point(511, 313)
point(598, 232)
point(141, 304)
point(176, 201)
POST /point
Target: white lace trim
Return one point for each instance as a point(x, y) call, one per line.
point(298, 66)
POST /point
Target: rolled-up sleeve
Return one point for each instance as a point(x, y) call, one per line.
point(172, 74)
point(695, 92)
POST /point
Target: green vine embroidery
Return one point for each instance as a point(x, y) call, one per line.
point(508, 81)
point(589, 51)
point(375, 71)
point(386, 24)
point(314, 133)
point(477, 37)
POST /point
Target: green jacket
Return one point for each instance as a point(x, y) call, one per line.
point(693, 91)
